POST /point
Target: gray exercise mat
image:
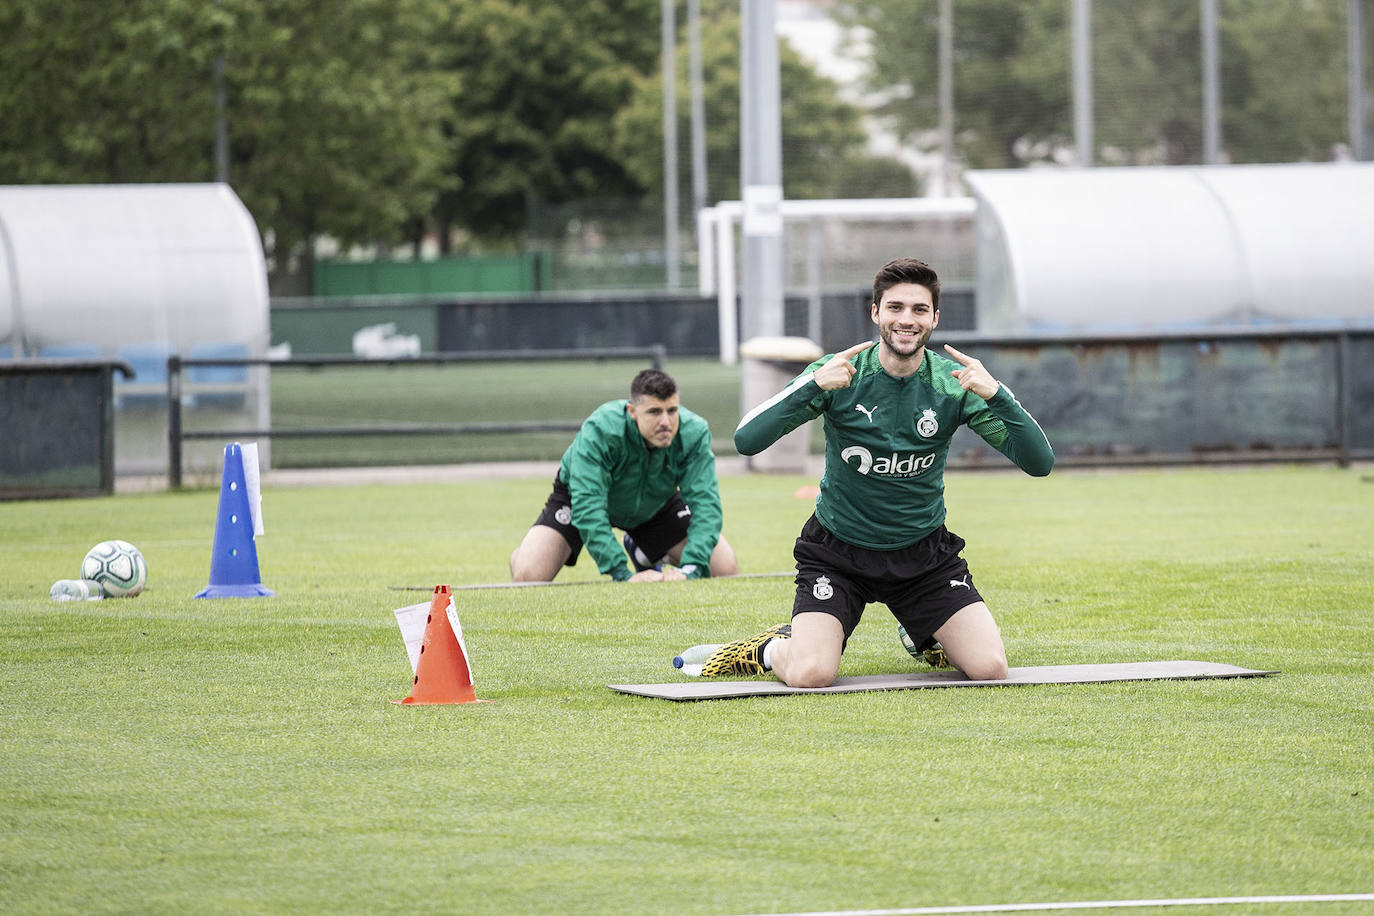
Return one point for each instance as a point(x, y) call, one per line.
point(709, 689)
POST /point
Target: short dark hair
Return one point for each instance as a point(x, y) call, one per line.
point(655, 383)
point(907, 270)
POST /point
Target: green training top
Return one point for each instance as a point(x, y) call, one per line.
point(886, 439)
point(616, 479)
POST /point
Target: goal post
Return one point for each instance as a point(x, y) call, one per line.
point(834, 244)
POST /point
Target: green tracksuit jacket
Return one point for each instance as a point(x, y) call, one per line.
point(886, 440)
point(617, 480)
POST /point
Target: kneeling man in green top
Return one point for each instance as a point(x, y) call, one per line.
point(643, 465)
point(878, 534)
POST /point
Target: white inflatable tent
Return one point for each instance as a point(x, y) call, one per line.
point(140, 272)
point(1140, 249)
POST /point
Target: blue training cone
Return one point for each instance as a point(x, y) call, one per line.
point(234, 564)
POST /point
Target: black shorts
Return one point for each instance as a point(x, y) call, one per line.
point(666, 529)
point(923, 585)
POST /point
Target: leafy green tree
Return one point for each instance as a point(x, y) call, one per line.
point(336, 114)
point(823, 139)
point(539, 85)
point(334, 107)
point(106, 92)
point(1282, 78)
point(1010, 73)
point(1147, 83)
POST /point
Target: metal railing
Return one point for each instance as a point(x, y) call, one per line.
point(177, 434)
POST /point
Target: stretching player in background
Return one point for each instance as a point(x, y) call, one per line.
point(643, 465)
point(878, 532)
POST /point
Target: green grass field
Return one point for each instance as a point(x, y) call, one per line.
point(163, 754)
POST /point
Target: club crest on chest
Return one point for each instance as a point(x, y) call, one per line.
point(927, 425)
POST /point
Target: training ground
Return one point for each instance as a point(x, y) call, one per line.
point(166, 754)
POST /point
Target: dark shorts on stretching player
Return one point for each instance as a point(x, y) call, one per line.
point(923, 585)
point(666, 529)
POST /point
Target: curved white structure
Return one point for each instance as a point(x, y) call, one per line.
point(116, 266)
point(1150, 248)
point(140, 272)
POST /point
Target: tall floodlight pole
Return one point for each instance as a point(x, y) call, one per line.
point(1355, 41)
point(761, 170)
point(671, 248)
point(698, 105)
point(1211, 86)
point(945, 88)
point(1083, 80)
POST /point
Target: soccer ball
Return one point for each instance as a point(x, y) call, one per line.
point(118, 566)
point(908, 643)
point(930, 651)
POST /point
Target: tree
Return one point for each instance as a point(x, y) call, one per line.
point(1010, 73)
point(540, 84)
point(1282, 80)
point(1147, 83)
point(823, 139)
point(334, 106)
point(336, 114)
point(1282, 75)
point(106, 93)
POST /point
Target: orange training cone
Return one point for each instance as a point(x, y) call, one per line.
point(442, 674)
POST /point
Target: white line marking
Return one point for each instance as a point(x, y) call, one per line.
point(1089, 905)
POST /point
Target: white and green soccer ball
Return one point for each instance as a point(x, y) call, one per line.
point(908, 643)
point(118, 566)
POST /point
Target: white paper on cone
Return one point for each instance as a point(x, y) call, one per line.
point(252, 479)
point(412, 619)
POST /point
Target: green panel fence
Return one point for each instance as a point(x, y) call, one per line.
point(527, 272)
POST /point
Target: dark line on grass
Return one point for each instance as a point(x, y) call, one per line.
point(478, 587)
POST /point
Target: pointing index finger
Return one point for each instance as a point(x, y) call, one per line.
point(959, 356)
point(855, 350)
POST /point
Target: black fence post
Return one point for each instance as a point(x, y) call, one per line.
point(107, 439)
point(174, 421)
point(1343, 407)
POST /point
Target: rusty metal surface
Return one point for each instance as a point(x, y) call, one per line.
point(1104, 400)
